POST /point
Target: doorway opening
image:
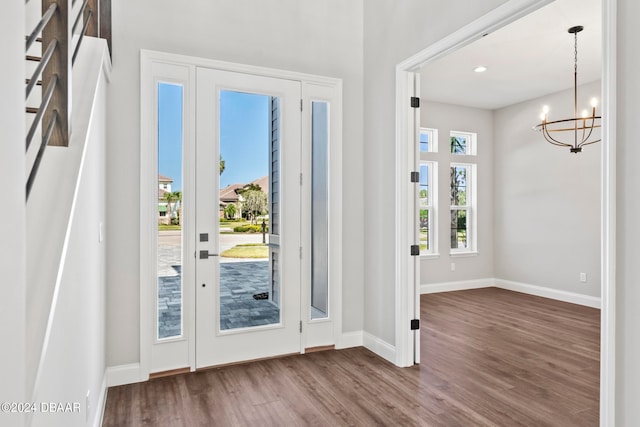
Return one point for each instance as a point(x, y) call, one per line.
point(408, 85)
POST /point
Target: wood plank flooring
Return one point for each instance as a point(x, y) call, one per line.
point(490, 357)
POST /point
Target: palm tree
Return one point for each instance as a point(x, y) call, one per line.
point(457, 145)
point(222, 164)
point(230, 211)
point(169, 197)
point(178, 198)
point(458, 182)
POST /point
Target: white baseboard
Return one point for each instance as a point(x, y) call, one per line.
point(524, 288)
point(556, 294)
point(456, 286)
point(123, 374)
point(379, 347)
point(350, 339)
point(102, 401)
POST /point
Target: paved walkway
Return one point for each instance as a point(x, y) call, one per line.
point(240, 279)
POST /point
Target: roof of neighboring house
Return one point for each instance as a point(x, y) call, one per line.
point(263, 183)
point(229, 194)
point(162, 178)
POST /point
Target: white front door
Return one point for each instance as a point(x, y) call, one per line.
point(247, 308)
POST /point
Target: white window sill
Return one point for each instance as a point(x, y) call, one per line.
point(463, 254)
point(430, 256)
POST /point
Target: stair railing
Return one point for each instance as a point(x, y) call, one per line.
point(55, 66)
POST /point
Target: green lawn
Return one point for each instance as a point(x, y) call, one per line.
point(248, 250)
point(163, 227)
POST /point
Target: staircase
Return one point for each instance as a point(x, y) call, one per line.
point(67, 69)
point(56, 29)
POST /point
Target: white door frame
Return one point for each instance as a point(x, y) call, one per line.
point(407, 268)
point(314, 87)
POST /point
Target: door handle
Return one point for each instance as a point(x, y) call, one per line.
point(206, 255)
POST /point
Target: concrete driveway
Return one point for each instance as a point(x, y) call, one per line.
point(240, 279)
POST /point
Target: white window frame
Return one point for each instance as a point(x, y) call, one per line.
point(471, 142)
point(470, 207)
point(433, 140)
point(431, 207)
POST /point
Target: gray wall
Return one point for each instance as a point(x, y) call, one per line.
point(446, 118)
point(12, 232)
point(539, 205)
point(320, 37)
point(628, 206)
point(393, 31)
point(547, 200)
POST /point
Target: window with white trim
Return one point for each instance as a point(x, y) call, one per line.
point(462, 143)
point(462, 211)
point(427, 192)
point(426, 197)
point(428, 140)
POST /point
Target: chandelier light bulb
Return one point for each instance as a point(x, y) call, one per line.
point(585, 114)
point(545, 110)
point(594, 102)
point(543, 117)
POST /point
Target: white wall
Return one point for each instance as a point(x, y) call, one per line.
point(628, 254)
point(393, 31)
point(547, 200)
point(446, 118)
point(320, 37)
point(12, 231)
point(74, 362)
point(65, 333)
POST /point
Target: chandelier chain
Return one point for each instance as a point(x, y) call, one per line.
point(575, 52)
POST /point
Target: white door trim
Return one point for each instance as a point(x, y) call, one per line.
point(608, 225)
point(325, 331)
point(147, 59)
point(405, 269)
point(152, 73)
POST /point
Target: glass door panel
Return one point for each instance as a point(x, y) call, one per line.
point(247, 217)
point(319, 210)
point(169, 206)
point(249, 284)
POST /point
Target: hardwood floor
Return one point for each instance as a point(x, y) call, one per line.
point(490, 357)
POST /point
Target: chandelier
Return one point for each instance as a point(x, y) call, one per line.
point(581, 127)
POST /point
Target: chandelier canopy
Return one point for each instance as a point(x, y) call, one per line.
point(559, 132)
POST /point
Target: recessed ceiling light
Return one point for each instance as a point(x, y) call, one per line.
point(480, 69)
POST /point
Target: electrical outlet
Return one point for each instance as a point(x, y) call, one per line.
point(583, 277)
point(453, 266)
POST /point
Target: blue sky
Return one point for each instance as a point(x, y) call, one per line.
point(170, 133)
point(244, 132)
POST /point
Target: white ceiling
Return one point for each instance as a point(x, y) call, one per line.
point(526, 59)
